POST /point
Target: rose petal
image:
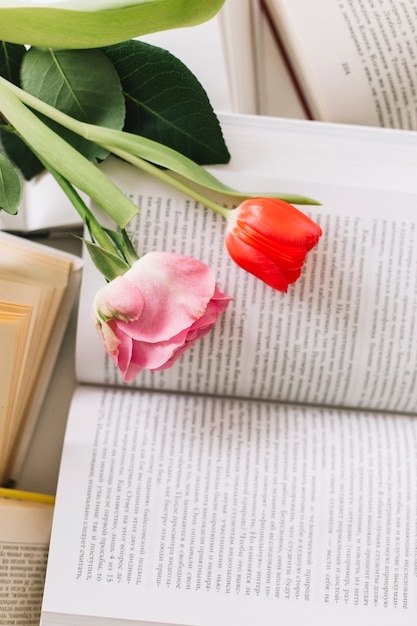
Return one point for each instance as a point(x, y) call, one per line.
point(159, 308)
point(119, 298)
point(176, 291)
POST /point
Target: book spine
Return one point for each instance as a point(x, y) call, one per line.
point(285, 57)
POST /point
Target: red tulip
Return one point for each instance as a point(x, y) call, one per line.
point(270, 238)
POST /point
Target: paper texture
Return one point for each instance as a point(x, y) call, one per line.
point(197, 495)
point(204, 511)
point(339, 334)
point(25, 529)
point(355, 61)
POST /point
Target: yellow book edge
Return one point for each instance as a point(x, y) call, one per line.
point(17, 494)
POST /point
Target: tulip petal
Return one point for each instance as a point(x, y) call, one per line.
point(283, 256)
point(270, 239)
point(276, 219)
point(256, 263)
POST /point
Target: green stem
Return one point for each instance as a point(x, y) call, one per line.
point(68, 162)
point(97, 232)
point(148, 150)
point(128, 142)
point(166, 177)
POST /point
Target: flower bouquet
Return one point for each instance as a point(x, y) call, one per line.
point(74, 91)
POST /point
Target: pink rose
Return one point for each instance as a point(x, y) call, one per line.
point(149, 316)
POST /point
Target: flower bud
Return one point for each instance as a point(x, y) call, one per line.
point(150, 315)
point(270, 238)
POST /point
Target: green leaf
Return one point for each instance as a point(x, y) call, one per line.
point(21, 154)
point(10, 186)
point(11, 56)
point(143, 152)
point(110, 265)
point(165, 102)
point(81, 83)
point(123, 244)
point(58, 28)
point(149, 153)
point(69, 163)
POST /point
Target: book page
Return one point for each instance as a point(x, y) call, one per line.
point(25, 529)
point(9, 337)
point(355, 60)
point(279, 93)
point(16, 324)
point(47, 280)
point(194, 510)
point(343, 335)
point(237, 30)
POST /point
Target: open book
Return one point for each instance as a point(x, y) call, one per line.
point(25, 528)
point(38, 287)
point(258, 73)
point(270, 474)
point(336, 61)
